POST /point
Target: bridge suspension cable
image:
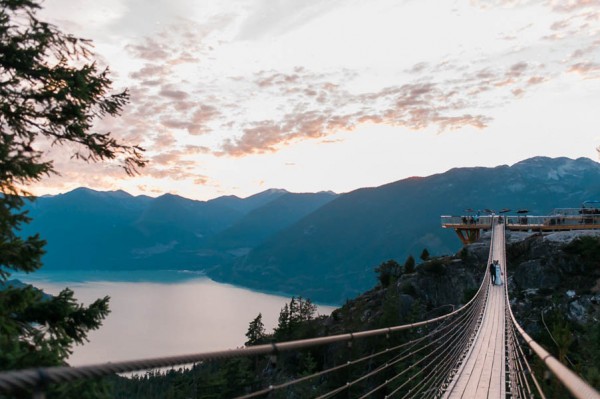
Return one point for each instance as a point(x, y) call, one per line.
point(522, 376)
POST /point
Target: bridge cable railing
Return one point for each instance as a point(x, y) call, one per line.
point(459, 326)
point(443, 357)
point(522, 376)
point(456, 328)
point(449, 363)
point(407, 345)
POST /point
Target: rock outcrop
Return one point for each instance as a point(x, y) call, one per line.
point(560, 271)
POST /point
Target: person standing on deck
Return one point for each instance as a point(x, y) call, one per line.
point(498, 273)
point(493, 272)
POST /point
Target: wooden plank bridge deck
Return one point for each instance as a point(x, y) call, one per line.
point(482, 374)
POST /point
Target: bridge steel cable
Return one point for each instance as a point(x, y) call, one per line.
point(386, 351)
point(404, 371)
point(521, 371)
point(452, 341)
point(433, 383)
point(478, 304)
point(402, 356)
point(329, 370)
point(438, 380)
point(439, 377)
point(450, 384)
point(441, 358)
point(442, 370)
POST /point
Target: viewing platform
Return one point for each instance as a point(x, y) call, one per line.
point(469, 227)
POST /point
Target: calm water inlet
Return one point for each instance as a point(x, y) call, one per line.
point(188, 314)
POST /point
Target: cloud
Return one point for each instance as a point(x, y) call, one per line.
point(418, 67)
point(202, 115)
point(147, 189)
point(536, 80)
point(170, 122)
point(560, 25)
point(196, 149)
point(182, 41)
point(319, 104)
point(259, 113)
point(415, 106)
point(150, 50)
point(151, 71)
point(177, 164)
point(271, 108)
point(231, 84)
point(163, 140)
point(517, 69)
point(260, 138)
point(588, 69)
point(272, 18)
point(163, 99)
point(568, 6)
point(174, 172)
point(173, 94)
point(201, 180)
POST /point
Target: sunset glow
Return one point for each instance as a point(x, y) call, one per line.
point(237, 96)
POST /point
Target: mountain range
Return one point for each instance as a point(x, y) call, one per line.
point(87, 229)
point(319, 245)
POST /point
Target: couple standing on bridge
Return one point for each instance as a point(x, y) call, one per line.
point(496, 273)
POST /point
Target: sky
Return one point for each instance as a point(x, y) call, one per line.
point(238, 96)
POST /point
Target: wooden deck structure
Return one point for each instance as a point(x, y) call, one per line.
point(482, 373)
point(468, 228)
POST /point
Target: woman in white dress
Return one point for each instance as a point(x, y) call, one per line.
point(498, 279)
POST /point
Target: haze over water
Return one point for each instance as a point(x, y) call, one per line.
point(173, 313)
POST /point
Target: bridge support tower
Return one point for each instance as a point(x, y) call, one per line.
point(468, 235)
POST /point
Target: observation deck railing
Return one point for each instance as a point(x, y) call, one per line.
point(472, 222)
point(553, 222)
point(527, 222)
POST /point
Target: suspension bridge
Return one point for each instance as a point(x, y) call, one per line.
point(476, 351)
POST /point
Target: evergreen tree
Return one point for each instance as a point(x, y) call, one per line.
point(293, 319)
point(283, 323)
point(304, 310)
point(424, 255)
point(50, 92)
point(388, 271)
point(256, 331)
point(409, 265)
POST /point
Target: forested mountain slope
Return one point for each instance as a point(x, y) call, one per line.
point(330, 254)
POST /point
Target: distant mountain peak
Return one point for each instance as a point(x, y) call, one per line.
point(558, 161)
point(536, 160)
point(120, 193)
point(169, 195)
point(272, 191)
point(269, 194)
point(556, 169)
point(81, 190)
point(89, 191)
